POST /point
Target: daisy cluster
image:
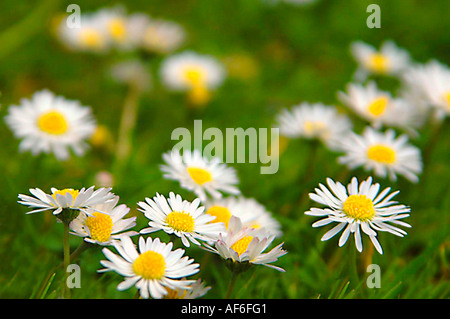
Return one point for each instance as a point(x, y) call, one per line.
point(382, 148)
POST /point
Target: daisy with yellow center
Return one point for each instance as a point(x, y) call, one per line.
point(68, 198)
point(197, 74)
point(358, 208)
point(200, 174)
point(251, 213)
point(379, 107)
point(382, 153)
point(179, 217)
point(47, 123)
point(196, 290)
point(244, 246)
point(104, 223)
point(389, 60)
point(155, 269)
point(314, 121)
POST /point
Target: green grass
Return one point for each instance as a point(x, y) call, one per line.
point(302, 54)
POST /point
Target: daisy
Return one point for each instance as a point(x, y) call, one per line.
point(358, 208)
point(68, 198)
point(389, 60)
point(49, 123)
point(152, 269)
point(113, 22)
point(248, 210)
point(195, 290)
point(382, 153)
point(431, 84)
point(104, 223)
point(244, 246)
point(378, 107)
point(314, 121)
point(162, 36)
point(90, 36)
point(177, 216)
point(197, 74)
point(199, 174)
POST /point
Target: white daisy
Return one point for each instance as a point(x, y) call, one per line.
point(104, 223)
point(314, 121)
point(196, 290)
point(113, 22)
point(48, 123)
point(199, 174)
point(177, 216)
point(82, 199)
point(378, 107)
point(90, 36)
point(197, 74)
point(382, 153)
point(358, 208)
point(244, 246)
point(250, 212)
point(153, 269)
point(431, 84)
point(389, 60)
point(162, 36)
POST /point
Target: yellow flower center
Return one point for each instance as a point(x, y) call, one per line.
point(378, 106)
point(379, 63)
point(53, 122)
point(181, 221)
point(315, 128)
point(447, 99)
point(100, 226)
point(90, 38)
point(63, 192)
point(150, 265)
point(117, 29)
point(194, 76)
point(382, 154)
point(359, 207)
point(221, 213)
point(242, 244)
point(199, 175)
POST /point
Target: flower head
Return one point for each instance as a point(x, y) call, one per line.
point(383, 153)
point(152, 269)
point(49, 123)
point(68, 198)
point(177, 216)
point(358, 208)
point(314, 121)
point(199, 174)
point(104, 223)
point(244, 246)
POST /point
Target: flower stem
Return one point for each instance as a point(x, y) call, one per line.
point(232, 284)
point(66, 244)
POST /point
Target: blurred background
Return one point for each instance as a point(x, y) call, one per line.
point(277, 54)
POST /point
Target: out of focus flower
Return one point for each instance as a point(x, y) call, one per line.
point(200, 174)
point(153, 269)
point(358, 208)
point(196, 290)
point(177, 216)
point(382, 153)
point(379, 107)
point(430, 83)
point(314, 121)
point(250, 212)
point(197, 74)
point(69, 198)
point(389, 60)
point(244, 246)
point(132, 72)
point(104, 223)
point(162, 36)
point(49, 123)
